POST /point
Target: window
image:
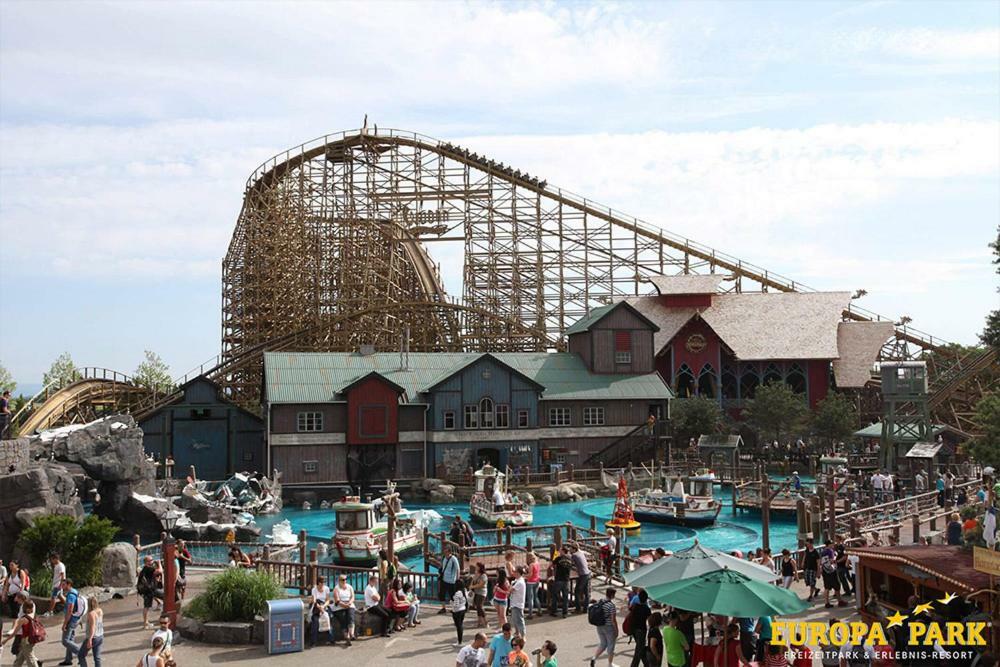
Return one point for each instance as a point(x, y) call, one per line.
point(310, 466)
point(684, 383)
point(373, 421)
point(748, 383)
point(706, 381)
point(623, 347)
point(593, 416)
point(309, 421)
point(486, 374)
point(503, 416)
point(559, 417)
point(522, 419)
point(796, 379)
point(471, 418)
point(486, 413)
point(449, 419)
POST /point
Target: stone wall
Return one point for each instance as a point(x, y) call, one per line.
point(13, 453)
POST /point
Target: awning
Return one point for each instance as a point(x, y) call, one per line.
point(923, 450)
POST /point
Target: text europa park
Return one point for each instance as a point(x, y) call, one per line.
point(925, 633)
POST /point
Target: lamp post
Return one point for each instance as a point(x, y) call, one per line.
point(169, 560)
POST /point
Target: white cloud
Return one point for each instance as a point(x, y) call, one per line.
point(928, 44)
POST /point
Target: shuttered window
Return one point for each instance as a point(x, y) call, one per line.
point(623, 347)
point(373, 421)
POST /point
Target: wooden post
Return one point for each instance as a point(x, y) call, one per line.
point(932, 524)
point(508, 537)
point(427, 546)
point(390, 534)
point(266, 557)
point(765, 511)
point(915, 523)
point(303, 538)
point(832, 510)
point(802, 521)
point(312, 571)
point(855, 527)
point(593, 523)
point(528, 543)
point(895, 532)
point(557, 538)
point(735, 496)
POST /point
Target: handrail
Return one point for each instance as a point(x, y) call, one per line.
point(898, 505)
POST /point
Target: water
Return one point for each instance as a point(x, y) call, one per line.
point(730, 532)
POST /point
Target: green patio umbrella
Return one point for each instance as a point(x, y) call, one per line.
point(728, 593)
point(692, 562)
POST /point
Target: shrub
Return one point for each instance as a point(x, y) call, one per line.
point(234, 595)
point(79, 546)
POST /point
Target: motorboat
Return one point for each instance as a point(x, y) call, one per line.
point(685, 502)
point(491, 487)
point(363, 530)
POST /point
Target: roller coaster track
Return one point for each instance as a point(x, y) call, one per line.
point(967, 380)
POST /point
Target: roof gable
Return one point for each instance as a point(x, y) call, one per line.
point(451, 372)
point(599, 313)
point(374, 374)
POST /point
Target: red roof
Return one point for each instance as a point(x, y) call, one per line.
point(947, 562)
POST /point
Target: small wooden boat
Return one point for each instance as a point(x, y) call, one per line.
point(491, 487)
point(623, 517)
point(363, 529)
point(694, 506)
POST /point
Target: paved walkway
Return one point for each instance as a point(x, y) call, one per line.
point(431, 643)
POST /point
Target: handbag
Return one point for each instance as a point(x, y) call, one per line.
point(324, 621)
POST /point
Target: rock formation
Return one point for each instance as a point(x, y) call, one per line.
point(42, 489)
point(118, 565)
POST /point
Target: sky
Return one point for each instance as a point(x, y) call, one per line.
point(845, 145)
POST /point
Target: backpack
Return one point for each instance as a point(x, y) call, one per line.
point(34, 631)
point(627, 623)
point(596, 614)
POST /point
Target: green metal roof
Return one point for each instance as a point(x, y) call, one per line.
point(875, 430)
point(318, 377)
point(589, 319)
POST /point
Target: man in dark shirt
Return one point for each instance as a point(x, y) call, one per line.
point(810, 568)
point(4, 414)
point(638, 615)
point(843, 569)
point(146, 586)
point(562, 567)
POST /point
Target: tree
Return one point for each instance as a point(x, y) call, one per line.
point(834, 419)
point(62, 370)
point(153, 373)
point(6, 380)
point(991, 334)
point(775, 410)
point(986, 447)
point(693, 417)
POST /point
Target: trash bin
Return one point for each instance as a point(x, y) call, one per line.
point(284, 626)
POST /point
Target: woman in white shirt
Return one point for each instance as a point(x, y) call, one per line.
point(153, 658)
point(95, 633)
point(343, 607)
point(320, 595)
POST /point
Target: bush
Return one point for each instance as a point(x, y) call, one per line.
point(234, 595)
point(79, 546)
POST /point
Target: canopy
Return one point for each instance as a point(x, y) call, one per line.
point(728, 593)
point(692, 562)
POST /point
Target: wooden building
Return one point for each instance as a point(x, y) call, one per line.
point(201, 428)
point(336, 417)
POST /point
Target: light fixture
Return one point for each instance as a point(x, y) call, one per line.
point(168, 521)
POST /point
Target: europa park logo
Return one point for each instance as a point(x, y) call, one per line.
point(917, 629)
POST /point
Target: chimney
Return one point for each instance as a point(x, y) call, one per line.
point(366, 350)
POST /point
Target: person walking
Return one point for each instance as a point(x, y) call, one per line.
point(559, 589)
point(638, 617)
point(789, 572)
point(478, 586)
point(810, 568)
point(533, 579)
point(5, 414)
point(843, 568)
point(501, 591)
point(343, 608)
point(606, 614)
point(500, 647)
point(23, 632)
point(675, 645)
point(154, 658)
point(459, 605)
point(145, 586)
point(16, 583)
point(58, 574)
point(581, 592)
point(76, 608)
point(450, 570)
point(654, 640)
point(472, 655)
point(518, 593)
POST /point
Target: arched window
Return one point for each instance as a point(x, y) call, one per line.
point(684, 383)
point(796, 379)
point(730, 387)
point(772, 375)
point(706, 381)
point(749, 382)
point(486, 412)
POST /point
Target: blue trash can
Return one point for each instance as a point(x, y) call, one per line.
point(285, 626)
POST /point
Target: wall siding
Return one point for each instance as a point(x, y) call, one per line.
point(331, 463)
point(580, 344)
point(372, 393)
point(284, 416)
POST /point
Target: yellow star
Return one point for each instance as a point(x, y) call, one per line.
point(947, 598)
point(923, 608)
point(896, 619)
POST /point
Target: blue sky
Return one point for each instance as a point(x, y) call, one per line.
point(845, 145)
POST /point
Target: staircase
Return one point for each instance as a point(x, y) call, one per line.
point(639, 444)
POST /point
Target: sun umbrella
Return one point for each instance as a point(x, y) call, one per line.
point(692, 562)
point(727, 593)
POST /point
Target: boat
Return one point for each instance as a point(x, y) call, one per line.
point(363, 530)
point(693, 506)
point(623, 517)
point(482, 506)
point(832, 466)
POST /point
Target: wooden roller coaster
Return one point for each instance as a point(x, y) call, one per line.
point(330, 253)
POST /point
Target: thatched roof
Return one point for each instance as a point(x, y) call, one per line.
point(859, 344)
point(687, 284)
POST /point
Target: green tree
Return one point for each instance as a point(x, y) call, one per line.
point(991, 334)
point(6, 380)
point(153, 373)
point(834, 419)
point(692, 417)
point(986, 446)
point(775, 411)
point(62, 370)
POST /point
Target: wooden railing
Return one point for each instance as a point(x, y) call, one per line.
point(896, 510)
